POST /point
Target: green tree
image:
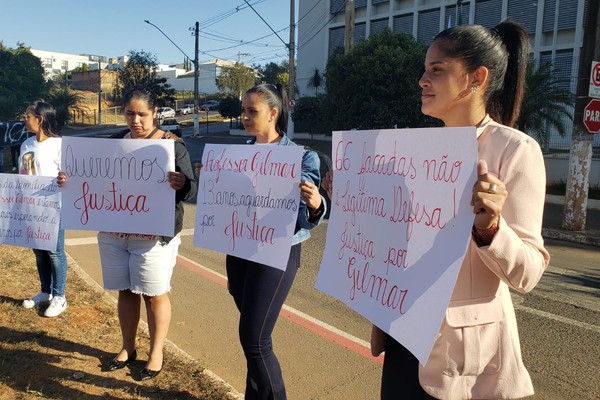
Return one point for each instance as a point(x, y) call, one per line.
point(316, 81)
point(375, 85)
point(230, 107)
point(308, 110)
point(546, 104)
point(65, 101)
point(84, 68)
point(21, 81)
point(140, 69)
point(236, 79)
point(275, 73)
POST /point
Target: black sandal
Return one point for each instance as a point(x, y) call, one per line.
point(115, 364)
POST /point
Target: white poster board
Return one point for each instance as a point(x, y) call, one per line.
point(29, 211)
point(399, 226)
point(248, 199)
point(118, 185)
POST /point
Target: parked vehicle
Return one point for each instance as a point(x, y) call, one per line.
point(186, 109)
point(165, 112)
point(171, 124)
point(210, 105)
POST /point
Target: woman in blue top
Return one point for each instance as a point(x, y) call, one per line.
point(257, 289)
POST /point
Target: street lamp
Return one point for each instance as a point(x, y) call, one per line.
point(196, 123)
point(165, 35)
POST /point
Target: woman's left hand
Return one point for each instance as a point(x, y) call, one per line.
point(176, 179)
point(489, 195)
point(310, 194)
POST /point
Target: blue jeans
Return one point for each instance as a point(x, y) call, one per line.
point(259, 292)
point(52, 267)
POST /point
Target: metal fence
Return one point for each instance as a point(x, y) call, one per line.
point(110, 116)
point(554, 143)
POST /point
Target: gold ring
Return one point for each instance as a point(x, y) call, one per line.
point(492, 188)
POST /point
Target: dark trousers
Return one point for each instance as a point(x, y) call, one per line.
point(259, 292)
point(400, 378)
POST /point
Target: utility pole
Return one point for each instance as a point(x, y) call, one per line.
point(292, 73)
point(240, 54)
point(99, 94)
point(196, 76)
point(580, 156)
point(349, 30)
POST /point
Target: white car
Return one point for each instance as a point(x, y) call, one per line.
point(165, 112)
point(186, 109)
point(172, 125)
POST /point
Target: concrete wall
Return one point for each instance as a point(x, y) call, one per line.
point(557, 167)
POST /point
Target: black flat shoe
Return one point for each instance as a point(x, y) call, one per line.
point(115, 364)
point(146, 374)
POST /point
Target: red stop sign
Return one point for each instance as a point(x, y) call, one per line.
point(591, 116)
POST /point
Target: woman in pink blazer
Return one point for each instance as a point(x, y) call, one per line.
point(474, 76)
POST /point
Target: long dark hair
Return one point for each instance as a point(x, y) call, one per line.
point(141, 92)
point(504, 51)
point(275, 97)
point(48, 114)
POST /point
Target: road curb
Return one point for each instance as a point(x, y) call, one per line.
point(581, 237)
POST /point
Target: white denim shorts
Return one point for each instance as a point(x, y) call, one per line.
point(141, 265)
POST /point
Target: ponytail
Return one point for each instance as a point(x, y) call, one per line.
point(509, 99)
point(504, 51)
point(275, 97)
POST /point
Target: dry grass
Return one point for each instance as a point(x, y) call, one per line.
point(62, 358)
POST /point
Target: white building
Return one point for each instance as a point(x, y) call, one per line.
point(555, 28)
point(208, 73)
point(55, 63)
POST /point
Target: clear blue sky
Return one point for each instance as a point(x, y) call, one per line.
point(112, 28)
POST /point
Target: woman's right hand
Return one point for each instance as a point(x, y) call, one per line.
point(197, 168)
point(61, 179)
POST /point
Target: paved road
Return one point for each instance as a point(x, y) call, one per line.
point(321, 343)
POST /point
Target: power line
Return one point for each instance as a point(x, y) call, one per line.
point(263, 20)
point(317, 32)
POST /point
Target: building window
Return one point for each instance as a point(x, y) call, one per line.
point(378, 26)
point(337, 6)
point(523, 12)
point(488, 12)
point(379, 1)
point(562, 66)
point(336, 39)
point(360, 32)
point(428, 26)
point(360, 3)
point(403, 24)
point(568, 15)
point(47, 63)
point(64, 65)
point(452, 17)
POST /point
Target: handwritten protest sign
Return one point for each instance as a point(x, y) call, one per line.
point(29, 211)
point(399, 227)
point(118, 185)
point(248, 201)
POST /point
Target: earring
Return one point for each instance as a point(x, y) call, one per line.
point(474, 88)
